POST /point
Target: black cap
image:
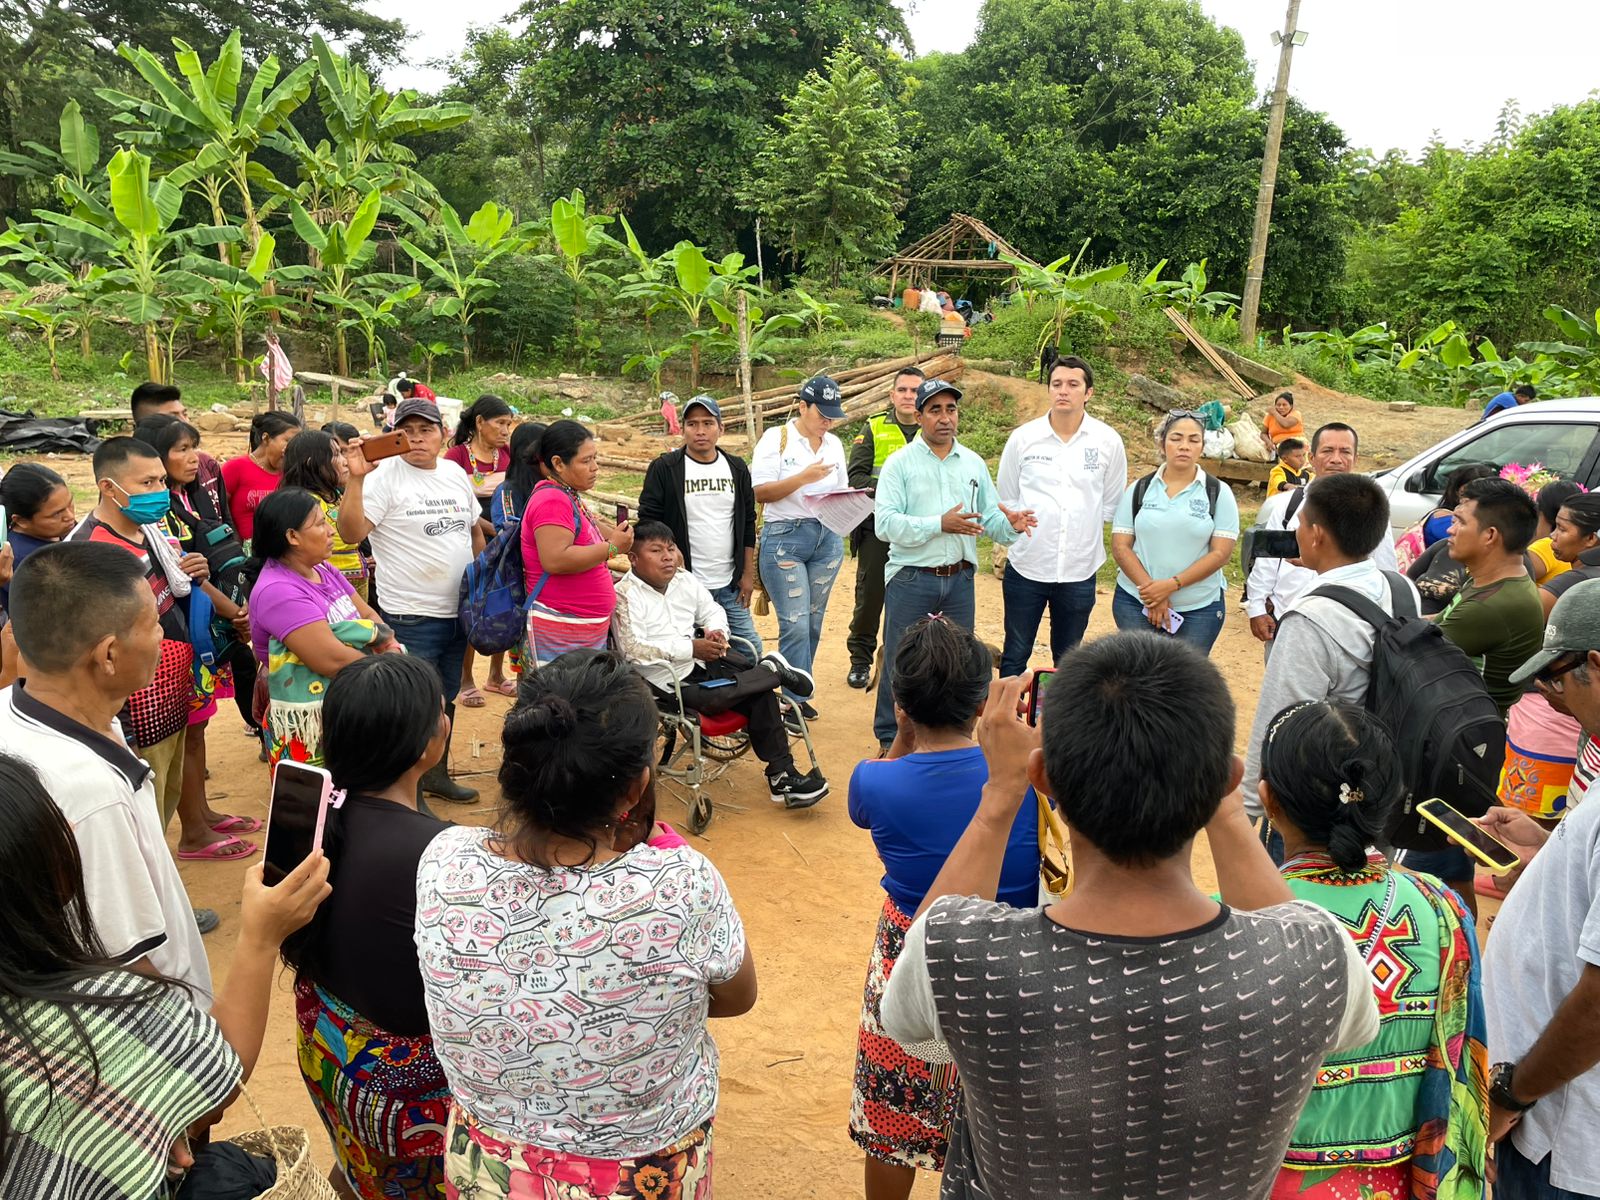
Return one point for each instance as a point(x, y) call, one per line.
point(706, 402)
point(823, 393)
point(415, 406)
point(931, 388)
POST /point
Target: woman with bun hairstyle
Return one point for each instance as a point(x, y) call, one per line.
point(569, 965)
point(917, 800)
point(1406, 1114)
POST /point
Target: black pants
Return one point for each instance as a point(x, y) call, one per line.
point(872, 555)
point(752, 694)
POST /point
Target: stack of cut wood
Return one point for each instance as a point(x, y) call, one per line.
point(865, 390)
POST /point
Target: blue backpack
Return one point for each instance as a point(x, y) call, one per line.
point(494, 591)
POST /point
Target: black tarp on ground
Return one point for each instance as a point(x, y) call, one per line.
point(25, 433)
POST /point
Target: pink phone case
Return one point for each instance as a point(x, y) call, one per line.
point(323, 802)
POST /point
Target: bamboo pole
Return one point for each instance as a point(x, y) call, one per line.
point(752, 421)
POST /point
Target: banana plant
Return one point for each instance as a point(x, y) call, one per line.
point(1190, 292)
point(1065, 290)
point(647, 282)
point(203, 123)
point(54, 277)
point(340, 251)
point(765, 332)
point(374, 309)
point(431, 351)
point(137, 236)
point(240, 297)
point(1580, 352)
point(579, 237)
point(461, 268)
point(76, 156)
point(819, 314)
point(51, 320)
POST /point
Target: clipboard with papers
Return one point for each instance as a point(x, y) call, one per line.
point(842, 510)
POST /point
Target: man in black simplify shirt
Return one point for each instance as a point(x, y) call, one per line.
point(704, 495)
point(878, 439)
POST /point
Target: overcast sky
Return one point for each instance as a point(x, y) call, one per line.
point(1389, 72)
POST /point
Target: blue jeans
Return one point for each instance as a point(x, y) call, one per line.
point(438, 641)
point(799, 561)
point(1070, 605)
point(908, 597)
point(740, 623)
point(1201, 626)
point(1520, 1179)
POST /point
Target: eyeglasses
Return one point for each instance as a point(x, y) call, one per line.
point(1554, 676)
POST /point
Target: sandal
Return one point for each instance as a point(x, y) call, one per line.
point(471, 697)
point(505, 687)
point(218, 851)
point(233, 824)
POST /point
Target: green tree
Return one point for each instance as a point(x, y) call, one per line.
point(655, 108)
point(463, 262)
point(830, 174)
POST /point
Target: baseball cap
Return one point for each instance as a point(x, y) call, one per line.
point(931, 388)
point(1573, 628)
point(416, 407)
point(706, 402)
point(824, 393)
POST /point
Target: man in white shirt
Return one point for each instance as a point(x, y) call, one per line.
point(1541, 976)
point(1274, 583)
point(423, 524)
point(1071, 470)
point(85, 622)
point(659, 609)
point(1326, 649)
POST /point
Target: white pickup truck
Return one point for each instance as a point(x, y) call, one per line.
point(1564, 435)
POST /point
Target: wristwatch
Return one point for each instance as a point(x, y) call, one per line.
point(1500, 1089)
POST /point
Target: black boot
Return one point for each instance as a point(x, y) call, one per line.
point(437, 781)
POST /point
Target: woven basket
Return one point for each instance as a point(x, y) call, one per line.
point(290, 1147)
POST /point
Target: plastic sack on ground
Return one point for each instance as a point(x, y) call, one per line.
point(1248, 442)
point(1219, 444)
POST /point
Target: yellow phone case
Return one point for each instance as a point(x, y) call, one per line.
point(1477, 855)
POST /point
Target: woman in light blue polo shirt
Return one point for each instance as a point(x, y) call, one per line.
point(1172, 533)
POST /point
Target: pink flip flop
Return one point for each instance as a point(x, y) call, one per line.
point(470, 698)
point(504, 688)
point(232, 824)
point(214, 852)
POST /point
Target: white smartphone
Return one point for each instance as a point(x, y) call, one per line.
point(300, 799)
point(5, 525)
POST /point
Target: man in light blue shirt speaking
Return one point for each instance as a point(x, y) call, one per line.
point(934, 498)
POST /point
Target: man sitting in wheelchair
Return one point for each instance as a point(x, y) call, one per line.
point(659, 611)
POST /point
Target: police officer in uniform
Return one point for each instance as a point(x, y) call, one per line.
point(882, 436)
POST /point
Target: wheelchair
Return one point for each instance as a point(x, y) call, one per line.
point(696, 749)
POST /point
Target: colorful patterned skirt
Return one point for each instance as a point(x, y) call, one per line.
point(483, 1165)
point(901, 1106)
point(382, 1097)
point(1392, 1182)
point(1541, 753)
point(550, 634)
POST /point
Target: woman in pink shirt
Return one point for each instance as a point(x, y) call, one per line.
point(251, 478)
point(481, 449)
point(564, 552)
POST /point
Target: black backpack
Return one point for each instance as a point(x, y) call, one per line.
point(1141, 485)
point(1449, 734)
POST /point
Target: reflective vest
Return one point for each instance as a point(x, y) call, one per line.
point(886, 439)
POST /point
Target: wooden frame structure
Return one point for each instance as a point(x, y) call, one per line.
point(963, 244)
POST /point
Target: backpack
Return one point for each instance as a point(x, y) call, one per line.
point(494, 591)
point(1141, 485)
point(1249, 539)
point(1448, 733)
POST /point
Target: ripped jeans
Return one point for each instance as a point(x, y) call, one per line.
point(799, 561)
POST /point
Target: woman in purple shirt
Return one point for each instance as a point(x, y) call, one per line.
point(917, 800)
point(307, 623)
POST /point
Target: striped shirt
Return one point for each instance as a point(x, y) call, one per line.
point(163, 1064)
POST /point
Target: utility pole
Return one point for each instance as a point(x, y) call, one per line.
point(1255, 266)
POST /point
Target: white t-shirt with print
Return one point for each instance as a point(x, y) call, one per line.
point(421, 535)
point(568, 1007)
point(708, 504)
point(770, 465)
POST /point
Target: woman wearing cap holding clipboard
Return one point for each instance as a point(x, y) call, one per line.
point(799, 556)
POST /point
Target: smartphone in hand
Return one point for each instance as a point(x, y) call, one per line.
point(1489, 851)
point(300, 798)
point(1041, 681)
point(385, 445)
point(622, 514)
